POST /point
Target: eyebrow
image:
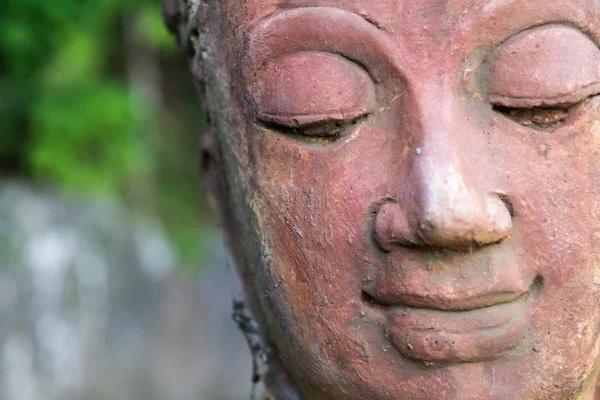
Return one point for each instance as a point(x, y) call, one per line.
point(335, 29)
point(290, 6)
point(514, 19)
point(484, 17)
point(328, 29)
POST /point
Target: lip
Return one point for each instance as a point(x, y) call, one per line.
point(442, 336)
point(449, 296)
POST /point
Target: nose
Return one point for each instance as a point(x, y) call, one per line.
point(439, 204)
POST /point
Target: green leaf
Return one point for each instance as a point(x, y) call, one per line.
point(84, 138)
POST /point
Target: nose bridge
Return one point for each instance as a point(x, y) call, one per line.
point(450, 209)
point(444, 196)
point(443, 188)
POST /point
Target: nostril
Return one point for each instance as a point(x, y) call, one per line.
point(370, 301)
point(538, 283)
point(508, 203)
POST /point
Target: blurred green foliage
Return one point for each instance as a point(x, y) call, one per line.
point(93, 101)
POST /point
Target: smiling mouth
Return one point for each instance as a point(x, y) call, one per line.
point(446, 336)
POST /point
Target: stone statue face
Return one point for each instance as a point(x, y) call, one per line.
point(416, 190)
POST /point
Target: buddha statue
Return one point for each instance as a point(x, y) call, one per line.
point(410, 190)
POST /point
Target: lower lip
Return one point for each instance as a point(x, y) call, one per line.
point(441, 337)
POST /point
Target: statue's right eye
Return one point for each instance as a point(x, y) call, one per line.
point(313, 94)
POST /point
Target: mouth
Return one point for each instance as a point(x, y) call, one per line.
point(475, 331)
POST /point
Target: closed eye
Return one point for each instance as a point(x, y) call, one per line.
point(541, 76)
point(317, 132)
point(316, 95)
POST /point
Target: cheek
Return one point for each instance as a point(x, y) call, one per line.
point(553, 182)
point(317, 206)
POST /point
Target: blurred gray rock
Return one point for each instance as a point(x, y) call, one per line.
point(92, 308)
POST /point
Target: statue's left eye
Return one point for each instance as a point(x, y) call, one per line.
point(540, 75)
point(314, 94)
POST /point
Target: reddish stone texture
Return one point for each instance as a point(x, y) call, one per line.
point(411, 190)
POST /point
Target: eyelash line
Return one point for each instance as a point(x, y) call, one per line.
point(296, 132)
point(341, 125)
point(526, 116)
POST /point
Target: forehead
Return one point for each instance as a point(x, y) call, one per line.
point(385, 14)
point(427, 18)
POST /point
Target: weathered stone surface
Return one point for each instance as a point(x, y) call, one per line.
point(410, 190)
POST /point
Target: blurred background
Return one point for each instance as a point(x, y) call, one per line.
point(114, 283)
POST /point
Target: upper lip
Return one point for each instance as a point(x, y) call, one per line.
point(446, 300)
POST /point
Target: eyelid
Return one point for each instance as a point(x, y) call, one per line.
point(548, 66)
point(307, 88)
